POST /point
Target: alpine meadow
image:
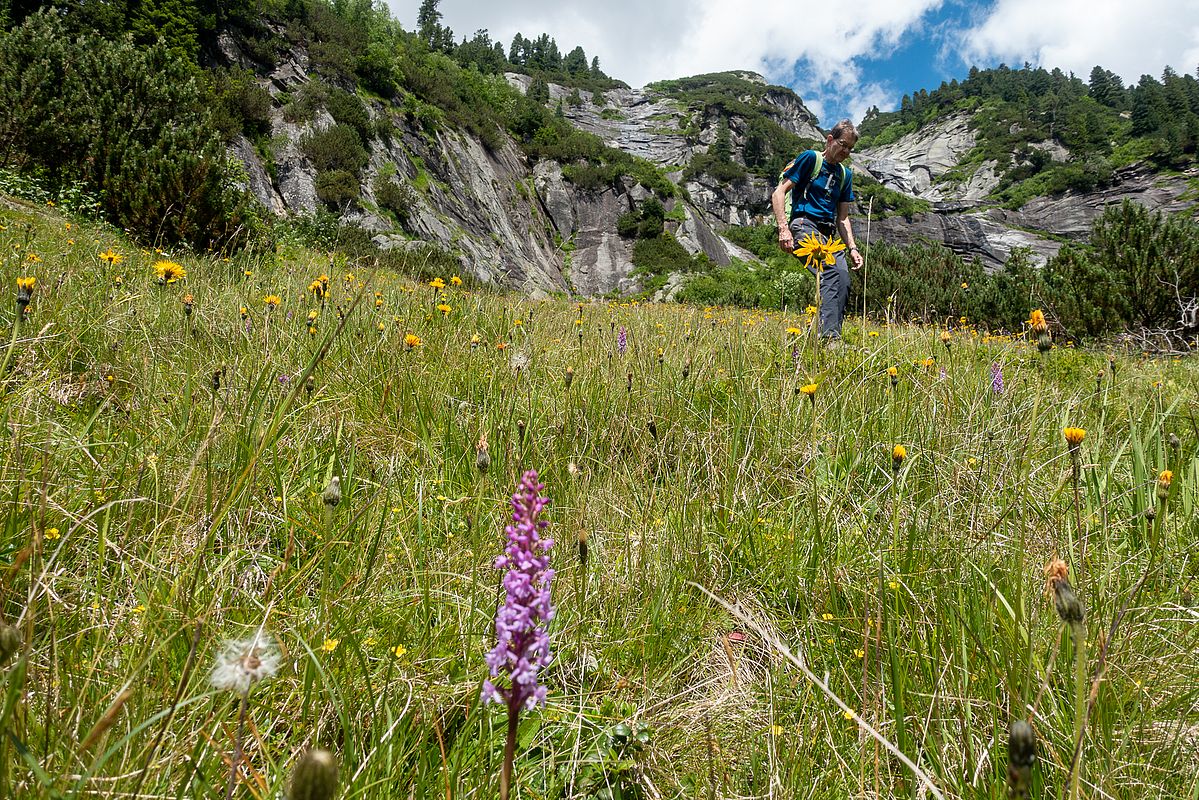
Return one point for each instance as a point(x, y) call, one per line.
point(394, 415)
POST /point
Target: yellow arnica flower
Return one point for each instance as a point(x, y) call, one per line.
point(1163, 484)
point(437, 283)
point(810, 310)
point(819, 252)
point(1037, 321)
point(872, 334)
point(1074, 436)
point(26, 283)
point(898, 454)
point(412, 340)
point(330, 645)
point(272, 300)
point(169, 271)
point(444, 308)
point(110, 256)
point(893, 371)
point(809, 389)
point(795, 331)
point(455, 281)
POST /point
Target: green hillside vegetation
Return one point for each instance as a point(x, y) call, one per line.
point(1126, 278)
point(768, 147)
point(67, 139)
point(253, 506)
point(1104, 125)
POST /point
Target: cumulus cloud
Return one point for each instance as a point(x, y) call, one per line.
point(811, 48)
point(1076, 35)
point(831, 53)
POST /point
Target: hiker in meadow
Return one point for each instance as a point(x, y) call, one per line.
point(813, 196)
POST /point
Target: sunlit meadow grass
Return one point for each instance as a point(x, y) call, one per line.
point(168, 466)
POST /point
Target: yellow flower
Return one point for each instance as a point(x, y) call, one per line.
point(444, 308)
point(893, 584)
point(437, 283)
point(1074, 436)
point(810, 310)
point(1037, 321)
point(826, 616)
point(111, 257)
point(898, 454)
point(795, 331)
point(52, 534)
point(26, 283)
point(860, 653)
point(33, 258)
point(272, 300)
point(965, 285)
point(399, 650)
point(455, 281)
point(819, 252)
point(169, 271)
point(411, 341)
point(945, 337)
point(872, 334)
point(330, 645)
point(848, 714)
point(893, 372)
point(776, 730)
point(1163, 484)
point(518, 323)
point(810, 390)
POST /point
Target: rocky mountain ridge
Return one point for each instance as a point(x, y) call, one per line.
point(526, 226)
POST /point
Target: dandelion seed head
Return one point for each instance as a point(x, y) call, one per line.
point(243, 663)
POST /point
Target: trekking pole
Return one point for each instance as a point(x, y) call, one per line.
point(866, 264)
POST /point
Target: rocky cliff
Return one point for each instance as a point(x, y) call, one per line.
point(505, 220)
point(526, 226)
point(921, 163)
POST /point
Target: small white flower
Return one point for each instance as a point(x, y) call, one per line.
point(245, 662)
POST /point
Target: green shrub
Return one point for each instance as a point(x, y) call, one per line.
point(337, 188)
point(347, 109)
point(337, 148)
point(394, 197)
point(240, 104)
point(69, 102)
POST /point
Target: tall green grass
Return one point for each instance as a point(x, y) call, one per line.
point(163, 477)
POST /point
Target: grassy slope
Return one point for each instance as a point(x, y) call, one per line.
point(148, 518)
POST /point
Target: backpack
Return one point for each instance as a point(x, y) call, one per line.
point(819, 162)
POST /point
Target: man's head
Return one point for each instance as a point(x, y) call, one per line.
point(840, 141)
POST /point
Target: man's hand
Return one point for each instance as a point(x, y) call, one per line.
point(856, 257)
point(786, 240)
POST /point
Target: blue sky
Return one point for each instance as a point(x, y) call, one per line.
point(844, 57)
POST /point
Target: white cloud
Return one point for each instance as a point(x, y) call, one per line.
point(811, 48)
point(819, 49)
point(1076, 35)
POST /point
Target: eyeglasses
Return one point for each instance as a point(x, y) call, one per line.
point(843, 143)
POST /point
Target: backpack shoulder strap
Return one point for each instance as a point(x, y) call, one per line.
point(818, 162)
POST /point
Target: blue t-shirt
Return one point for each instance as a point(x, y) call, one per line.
point(824, 192)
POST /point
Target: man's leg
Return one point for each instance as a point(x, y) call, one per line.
point(834, 297)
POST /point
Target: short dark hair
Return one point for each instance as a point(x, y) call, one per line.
point(842, 128)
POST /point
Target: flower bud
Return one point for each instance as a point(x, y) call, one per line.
point(10, 642)
point(1021, 755)
point(570, 376)
point(1163, 484)
point(898, 454)
point(332, 495)
point(583, 549)
point(482, 454)
point(314, 776)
